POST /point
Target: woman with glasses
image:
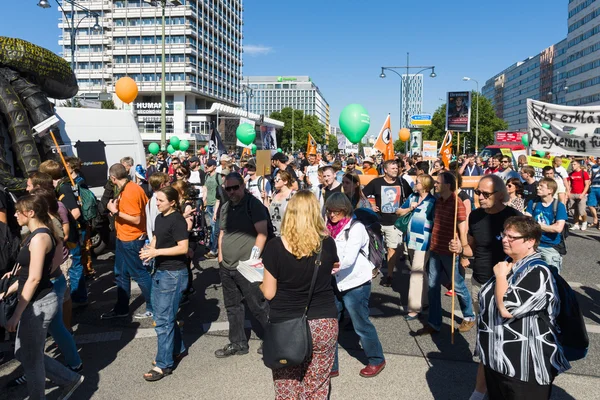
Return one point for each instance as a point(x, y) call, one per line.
point(514, 186)
point(516, 339)
point(182, 173)
point(352, 189)
point(289, 265)
point(421, 203)
point(169, 248)
point(283, 193)
point(353, 279)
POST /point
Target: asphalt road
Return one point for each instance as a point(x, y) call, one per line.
point(116, 353)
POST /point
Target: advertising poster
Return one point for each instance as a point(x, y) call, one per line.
point(458, 112)
point(416, 140)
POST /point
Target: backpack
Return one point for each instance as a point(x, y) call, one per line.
point(9, 242)
point(562, 246)
point(370, 220)
point(270, 228)
point(87, 201)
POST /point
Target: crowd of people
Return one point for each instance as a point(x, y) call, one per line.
point(353, 217)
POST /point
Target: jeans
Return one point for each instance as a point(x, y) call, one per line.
point(167, 288)
point(128, 265)
point(29, 348)
point(551, 256)
point(76, 276)
point(57, 328)
point(440, 269)
point(235, 289)
point(355, 302)
point(214, 229)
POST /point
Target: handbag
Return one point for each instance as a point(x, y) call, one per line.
point(289, 343)
point(402, 222)
point(8, 304)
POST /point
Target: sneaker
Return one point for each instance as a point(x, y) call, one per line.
point(17, 382)
point(77, 369)
point(210, 255)
point(143, 315)
point(231, 350)
point(69, 389)
point(449, 293)
point(113, 314)
point(584, 226)
point(466, 326)
point(575, 227)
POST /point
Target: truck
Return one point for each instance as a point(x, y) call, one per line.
point(510, 140)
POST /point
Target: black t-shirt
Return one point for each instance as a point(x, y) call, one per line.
point(485, 229)
point(67, 197)
point(293, 282)
point(24, 258)
point(392, 194)
point(8, 206)
point(169, 230)
point(329, 192)
point(530, 191)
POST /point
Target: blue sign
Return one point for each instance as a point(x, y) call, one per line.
point(420, 119)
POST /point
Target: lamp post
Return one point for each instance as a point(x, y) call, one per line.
point(466, 78)
point(408, 82)
point(249, 94)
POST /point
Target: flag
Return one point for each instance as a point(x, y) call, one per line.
point(216, 143)
point(311, 146)
point(247, 152)
point(446, 149)
point(384, 141)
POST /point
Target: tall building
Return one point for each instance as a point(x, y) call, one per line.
point(412, 97)
point(267, 94)
point(203, 56)
point(565, 73)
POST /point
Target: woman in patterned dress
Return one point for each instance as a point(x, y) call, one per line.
point(514, 186)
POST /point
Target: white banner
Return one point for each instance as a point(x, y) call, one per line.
point(562, 130)
point(341, 139)
point(244, 121)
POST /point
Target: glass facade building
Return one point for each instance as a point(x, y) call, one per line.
point(412, 97)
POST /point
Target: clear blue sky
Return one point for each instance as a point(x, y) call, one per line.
point(342, 44)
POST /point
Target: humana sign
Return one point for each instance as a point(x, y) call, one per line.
point(285, 79)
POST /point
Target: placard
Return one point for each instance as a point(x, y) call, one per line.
point(429, 150)
point(263, 162)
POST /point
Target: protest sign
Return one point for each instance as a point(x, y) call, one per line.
point(458, 112)
point(429, 150)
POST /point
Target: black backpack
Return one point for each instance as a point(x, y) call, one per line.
point(370, 220)
point(562, 246)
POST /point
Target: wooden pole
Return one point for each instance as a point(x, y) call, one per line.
point(454, 254)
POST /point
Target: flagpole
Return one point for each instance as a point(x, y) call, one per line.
point(454, 254)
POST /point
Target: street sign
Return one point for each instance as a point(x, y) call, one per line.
point(420, 119)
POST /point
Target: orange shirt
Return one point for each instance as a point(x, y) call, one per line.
point(370, 171)
point(132, 201)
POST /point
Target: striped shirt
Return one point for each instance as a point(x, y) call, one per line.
point(443, 223)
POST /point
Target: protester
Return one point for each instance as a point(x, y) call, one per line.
point(353, 280)
point(561, 173)
point(561, 189)
point(157, 181)
point(368, 167)
point(351, 166)
point(506, 171)
point(579, 184)
point(521, 301)
point(515, 193)
point(529, 183)
point(493, 164)
point(421, 203)
point(289, 265)
point(470, 168)
point(258, 186)
point(352, 189)
point(213, 181)
point(331, 184)
point(283, 194)
point(311, 177)
point(280, 162)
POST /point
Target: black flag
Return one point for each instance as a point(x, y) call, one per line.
point(216, 143)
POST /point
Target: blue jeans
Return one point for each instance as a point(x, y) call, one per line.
point(356, 303)
point(167, 288)
point(440, 270)
point(57, 328)
point(214, 229)
point(129, 265)
point(76, 276)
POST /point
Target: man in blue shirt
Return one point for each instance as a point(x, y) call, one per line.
point(552, 223)
point(594, 194)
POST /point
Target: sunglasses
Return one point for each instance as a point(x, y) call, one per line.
point(179, 174)
point(510, 185)
point(505, 161)
point(232, 188)
point(485, 195)
point(333, 212)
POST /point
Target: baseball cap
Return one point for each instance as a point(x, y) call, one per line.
point(351, 160)
point(369, 160)
point(211, 163)
point(225, 157)
point(279, 157)
point(194, 159)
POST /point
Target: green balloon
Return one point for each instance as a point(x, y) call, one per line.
point(354, 122)
point(170, 149)
point(206, 147)
point(546, 126)
point(253, 148)
point(525, 139)
point(175, 142)
point(153, 148)
point(245, 133)
point(541, 153)
point(279, 150)
point(184, 145)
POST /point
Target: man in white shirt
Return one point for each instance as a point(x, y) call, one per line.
point(561, 173)
point(311, 173)
point(561, 191)
point(258, 186)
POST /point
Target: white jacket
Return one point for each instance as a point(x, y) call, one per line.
point(355, 267)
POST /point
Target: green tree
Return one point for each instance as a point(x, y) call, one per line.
point(302, 126)
point(399, 146)
point(332, 144)
point(108, 105)
point(488, 123)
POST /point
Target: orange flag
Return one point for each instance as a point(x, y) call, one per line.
point(311, 146)
point(246, 152)
point(446, 149)
point(384, 141)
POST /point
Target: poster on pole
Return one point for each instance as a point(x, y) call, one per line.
point(564, 130)
point(416, 144)
point(341, 142)
point(269, 138)
point(458, 112)
point(429, 150)
point(244, 121)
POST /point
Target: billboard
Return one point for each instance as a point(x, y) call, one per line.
point(458, 112)
point(416, 142)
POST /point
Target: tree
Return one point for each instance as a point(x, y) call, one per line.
point(332, 144)
point(488, 123)
point(399, 146)
point(302, 126)
point(108, 105)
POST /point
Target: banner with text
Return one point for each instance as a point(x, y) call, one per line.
point(563, 129)
point(430, 151)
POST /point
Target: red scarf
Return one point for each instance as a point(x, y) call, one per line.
point(335, 229)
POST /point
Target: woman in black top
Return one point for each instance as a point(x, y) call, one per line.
point(38, 304)
point(289, 263)
point(169, 248)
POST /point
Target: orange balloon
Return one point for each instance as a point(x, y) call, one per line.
point(126, 89)
point(404, 134)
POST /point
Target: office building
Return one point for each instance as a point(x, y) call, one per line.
point(267, 94)
point(203, 57)
point(412, 97)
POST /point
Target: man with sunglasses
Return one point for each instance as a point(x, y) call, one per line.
point(484, 243)
point(506, 171)
point(244, 229)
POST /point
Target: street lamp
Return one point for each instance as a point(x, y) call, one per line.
point(466, 78)
point(408, 83)
point(249, 95)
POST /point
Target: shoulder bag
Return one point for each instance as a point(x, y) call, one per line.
point(8, 304)
point(289, 343)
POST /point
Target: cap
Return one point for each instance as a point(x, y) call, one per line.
point(211, 163)
point(369, 160)
point(194, 159)
point(225, 157)
point(279, 157)
point(351, 160)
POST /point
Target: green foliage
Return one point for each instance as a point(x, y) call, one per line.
point(302, 126)
point(108, 105)
point(399, 146)
point(488, 124)
point(332, 144)
point(74, 102)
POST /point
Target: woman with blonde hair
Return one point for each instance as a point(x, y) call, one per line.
point(290, 261)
